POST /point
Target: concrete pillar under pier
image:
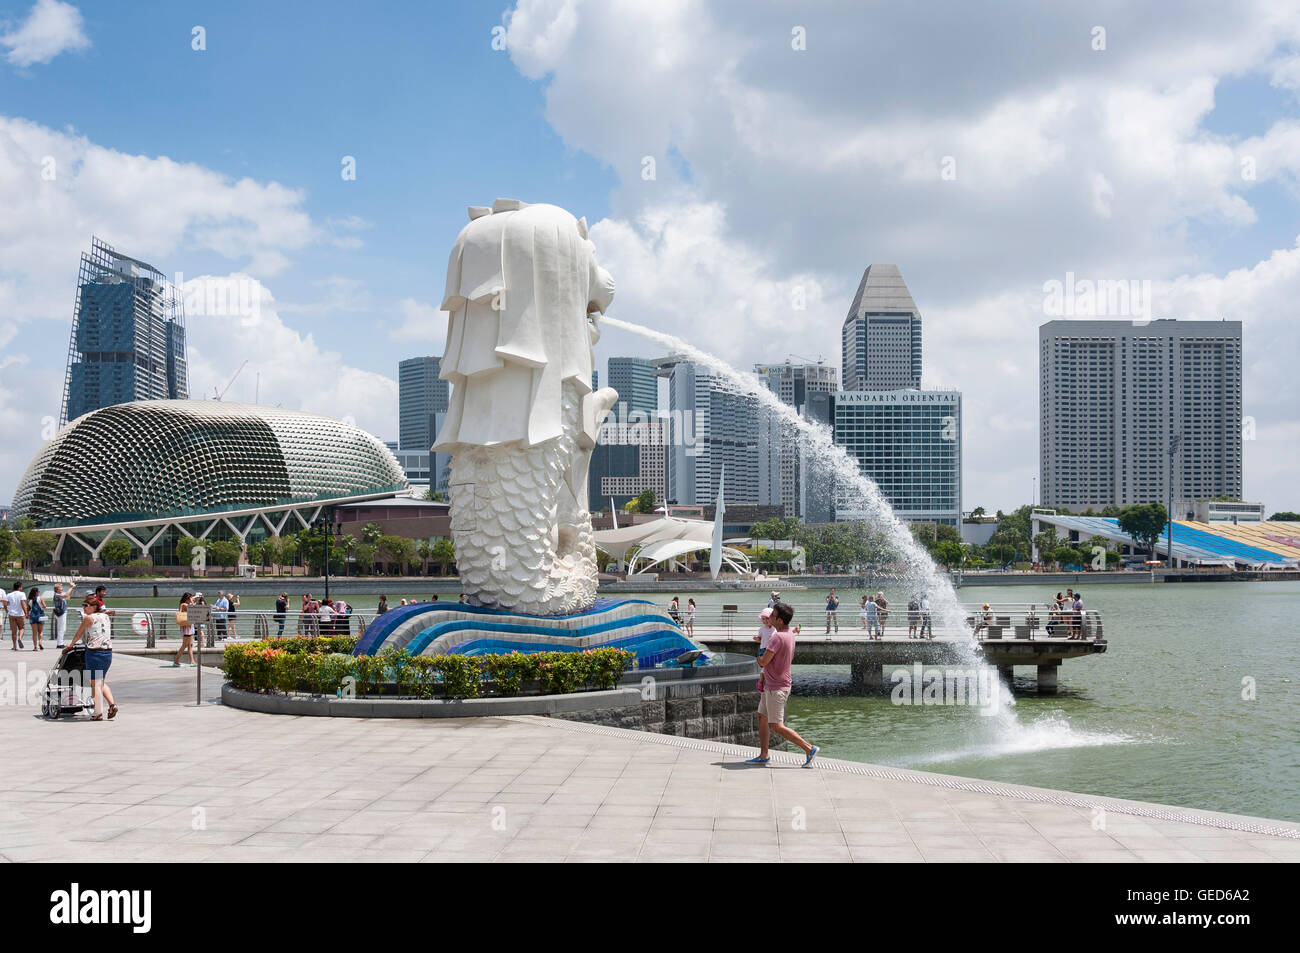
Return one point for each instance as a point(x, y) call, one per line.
point(1047, 683)
point(866, 677)
point(1007, 673)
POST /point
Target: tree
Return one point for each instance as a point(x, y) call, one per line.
point(397, 549)
point(1283, 516)
point(425, 552)
point(1066, 556)
point(116, 552)
point(948, 553)
point(35, 548)
point(977, 512)
point(224, 552)
point(1017, 522)
point(256, 554)
point(8, 546)
point(1000, 553)
point(1145, 523)
point(1111, 511)
point(643, 502)
point(782, 527)
point(371, 533)
point(273, 552)
point(185, 547)
point(289, 550)
point(444, 554)
point(365, 557)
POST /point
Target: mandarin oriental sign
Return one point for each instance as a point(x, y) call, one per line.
point(898, 397)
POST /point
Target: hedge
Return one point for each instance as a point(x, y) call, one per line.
point(321, 665)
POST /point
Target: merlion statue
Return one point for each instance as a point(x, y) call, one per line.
point(524, 297)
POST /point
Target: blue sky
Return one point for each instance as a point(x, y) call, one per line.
point(779, 170)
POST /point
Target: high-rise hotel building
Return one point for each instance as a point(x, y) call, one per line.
point(882, 334)
point(1116, 395)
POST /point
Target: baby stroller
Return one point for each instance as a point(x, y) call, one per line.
point(66, 689)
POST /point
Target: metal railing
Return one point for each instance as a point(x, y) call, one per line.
point(728, 621)
point(247, 625)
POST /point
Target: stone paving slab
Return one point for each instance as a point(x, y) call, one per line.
point(168, 780)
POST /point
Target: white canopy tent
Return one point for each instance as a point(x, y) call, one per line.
point(663, 540)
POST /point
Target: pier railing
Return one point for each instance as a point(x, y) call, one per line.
point(732, 621)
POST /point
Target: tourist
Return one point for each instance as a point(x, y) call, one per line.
point(404, 602)
point(771, 603)
point(1076, 617)
point(675, 611)
point(1031, 620)
point(37, 616)
point(464, 599)
point(913, 616)
point(186, 630)
point(16, 606)
point(871, 618)
point(101, 600)
point(4, 612)
point(775, 663)
point(926, 618)
point(690, 617)
point(765, 631)
point(983, 621)
point(1054, 617)
point(220, 608)
point(281, 612)
point(883, 605)
point(434, 598)
point(97, 629)
point(383, 605)
point(233, 599)
point(832, 613)
point(342, 624)
point(60, 612)
point(326, 613)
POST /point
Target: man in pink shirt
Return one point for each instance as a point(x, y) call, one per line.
point(775, 663)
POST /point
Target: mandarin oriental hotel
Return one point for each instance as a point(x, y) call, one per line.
point(907, 441)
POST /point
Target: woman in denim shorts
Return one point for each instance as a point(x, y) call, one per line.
point(97, 630)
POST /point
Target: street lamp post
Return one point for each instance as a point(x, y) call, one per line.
point(327, 526)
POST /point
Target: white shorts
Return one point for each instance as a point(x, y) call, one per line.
point(60, 627)
point(771, 705)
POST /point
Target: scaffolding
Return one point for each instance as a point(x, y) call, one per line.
point(157, 348)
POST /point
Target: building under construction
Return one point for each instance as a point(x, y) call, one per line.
point(128, 335)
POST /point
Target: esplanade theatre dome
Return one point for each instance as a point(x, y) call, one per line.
point(175, 458)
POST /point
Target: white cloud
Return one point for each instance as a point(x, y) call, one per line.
point(58, 189)
point(52, 27)
point(777, 167)
point(286, 367)
point(420, 321)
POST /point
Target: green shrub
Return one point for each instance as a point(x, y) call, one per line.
point(322, 665)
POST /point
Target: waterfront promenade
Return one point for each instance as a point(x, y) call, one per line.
point(171, 781)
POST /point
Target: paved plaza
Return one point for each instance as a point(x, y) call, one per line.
point(170, 781)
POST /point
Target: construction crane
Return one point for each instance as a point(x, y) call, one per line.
point(218, 394)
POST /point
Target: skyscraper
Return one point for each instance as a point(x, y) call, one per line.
point(908, 441)
point(420, 396)
point(713, 425)
point(882, 334)
point(128, 335)
point(638, 388)
point(1114, 396)
point(778, 451)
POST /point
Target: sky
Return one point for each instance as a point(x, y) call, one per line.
point(740, 164)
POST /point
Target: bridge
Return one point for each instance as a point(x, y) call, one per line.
point(1014, 635)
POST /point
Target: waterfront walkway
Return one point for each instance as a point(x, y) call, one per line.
point(171, 781)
